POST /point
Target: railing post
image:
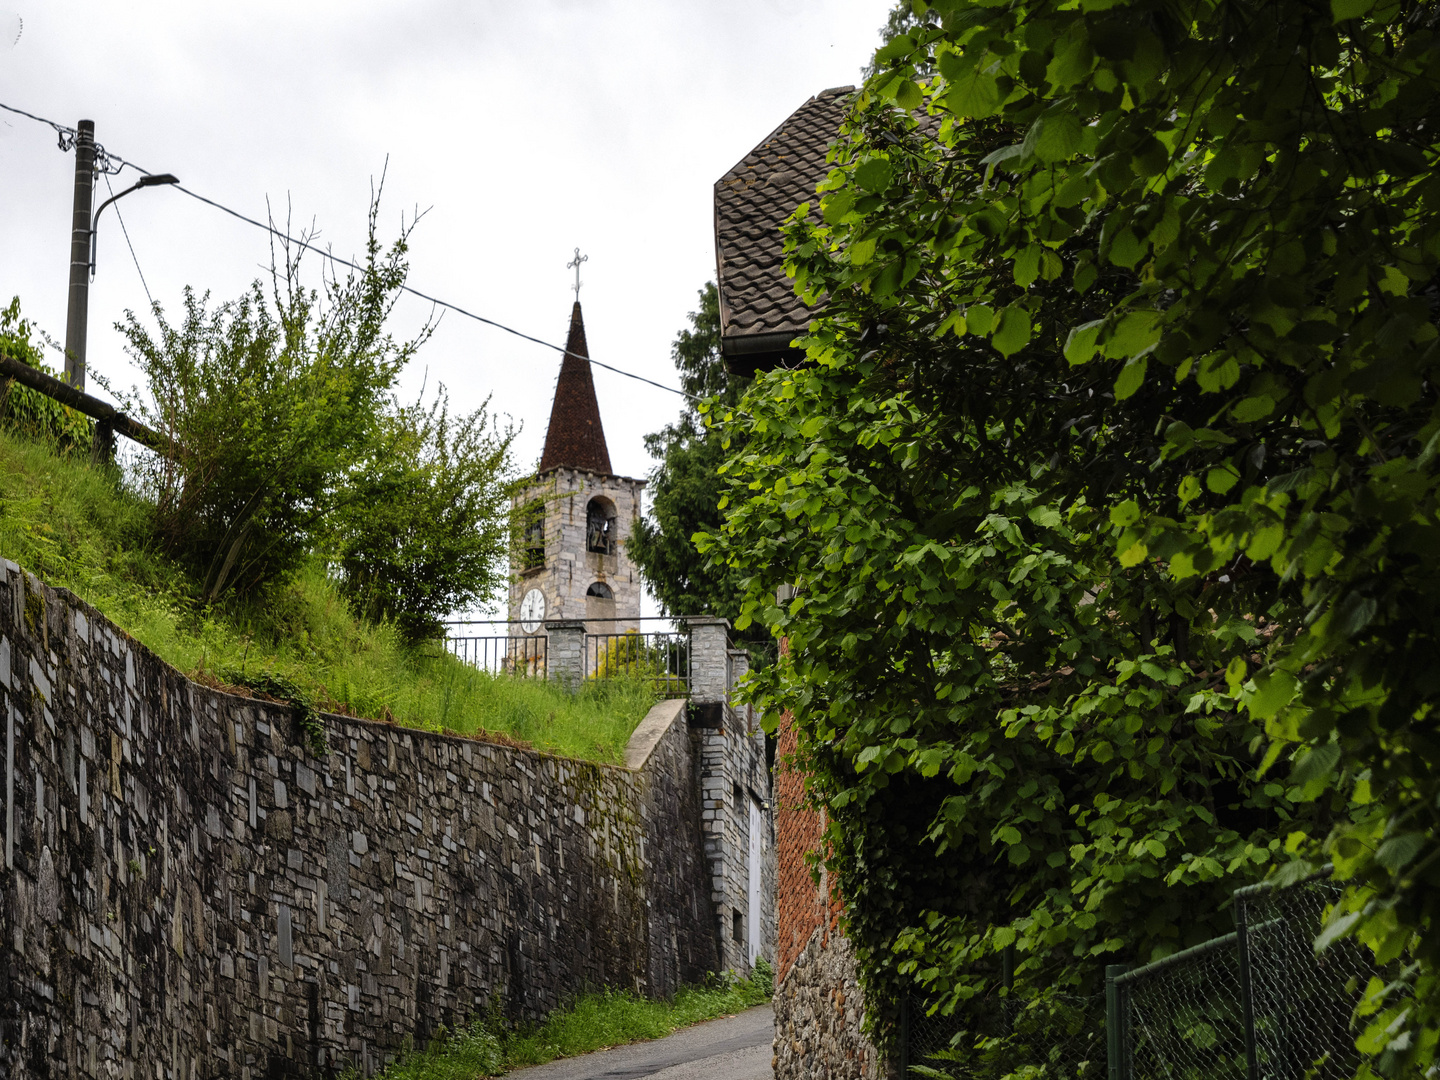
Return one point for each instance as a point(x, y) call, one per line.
point(565, 652)
point(709, 661)
point(905, 1037)
point(1247, 998)
point(1117, 1034)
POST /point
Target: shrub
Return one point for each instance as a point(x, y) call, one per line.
point(422, 529)
point(269, 400)
point(26, 411)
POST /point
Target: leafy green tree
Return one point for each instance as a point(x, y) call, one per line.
point(1111, 493)
point(270, 401)
point(685, 487)
point(422, 529)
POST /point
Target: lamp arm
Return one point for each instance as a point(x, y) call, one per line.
point(95, 221)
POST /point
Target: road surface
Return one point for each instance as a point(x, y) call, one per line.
point(735, 1048)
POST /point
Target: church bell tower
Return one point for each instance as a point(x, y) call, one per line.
point(575, 515)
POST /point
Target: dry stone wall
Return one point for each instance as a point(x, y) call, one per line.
point(188, 891)
point(819, 1014)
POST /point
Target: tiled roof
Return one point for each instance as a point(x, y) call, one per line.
point(575, 437)
point(758, 305)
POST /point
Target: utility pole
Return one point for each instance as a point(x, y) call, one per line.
point(77, 316)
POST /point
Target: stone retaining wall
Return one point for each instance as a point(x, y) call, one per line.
point(819, 1010)
point(188, 891)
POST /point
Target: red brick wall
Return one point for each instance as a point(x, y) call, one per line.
point(802, 906)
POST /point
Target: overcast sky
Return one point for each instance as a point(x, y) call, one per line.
point(526, 129)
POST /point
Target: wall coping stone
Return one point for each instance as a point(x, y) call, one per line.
point(651, 730)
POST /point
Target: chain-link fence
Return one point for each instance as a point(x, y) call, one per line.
point(1303, 1003)
point(1256, 1004)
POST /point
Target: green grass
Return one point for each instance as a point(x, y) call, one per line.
point(593, 1022)
point(74, 526)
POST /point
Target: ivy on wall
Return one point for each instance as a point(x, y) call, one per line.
point(1110, 490)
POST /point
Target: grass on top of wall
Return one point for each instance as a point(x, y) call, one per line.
point(593, 1022)
point(73, 526)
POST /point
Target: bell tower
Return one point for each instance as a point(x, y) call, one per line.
point(575, 515)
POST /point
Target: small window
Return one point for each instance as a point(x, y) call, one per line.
point(737, 926)
point(600, 590)
point(532, 540)
point(600, 526)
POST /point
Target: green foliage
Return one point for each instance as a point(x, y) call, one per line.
point(282, 688)
point(24, 410)
point(270, 401)
point(1111, 491)
point(70, 524)
point(593, 1022)
point(422, 529)
point(685, 492)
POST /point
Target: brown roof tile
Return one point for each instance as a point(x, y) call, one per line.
point(575, 437)
point(757, 300)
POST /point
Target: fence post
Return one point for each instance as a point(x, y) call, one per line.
point(565, 652)
point(1247, 998)
point(905, 1037)
point(709, 661)
point(1117, 1026)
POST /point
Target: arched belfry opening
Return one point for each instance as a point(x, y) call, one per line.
point(574, 517)
point(600, 526)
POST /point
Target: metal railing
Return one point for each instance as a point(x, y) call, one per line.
point(658, 655)
point(522, 656)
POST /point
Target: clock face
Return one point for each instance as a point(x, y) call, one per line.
point(532, 611)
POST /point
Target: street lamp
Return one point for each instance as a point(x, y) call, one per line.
point(149, 180)
point(82, 248)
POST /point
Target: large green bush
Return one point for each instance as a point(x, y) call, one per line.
point(1110, 492)
point(422, 528)
point(269, 401)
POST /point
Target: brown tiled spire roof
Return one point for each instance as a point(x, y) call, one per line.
point(575, 438)
point(759, 311)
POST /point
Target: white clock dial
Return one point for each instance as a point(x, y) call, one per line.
point(532, 611)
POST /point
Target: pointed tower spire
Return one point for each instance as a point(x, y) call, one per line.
point(575, 437)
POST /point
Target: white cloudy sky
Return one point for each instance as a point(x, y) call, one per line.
point(526, 129)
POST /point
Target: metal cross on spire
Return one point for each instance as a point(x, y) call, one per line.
point(575, 264)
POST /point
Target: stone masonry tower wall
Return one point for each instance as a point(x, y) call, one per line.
point(570, 568)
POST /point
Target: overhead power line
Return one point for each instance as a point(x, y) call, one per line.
point(67, 137)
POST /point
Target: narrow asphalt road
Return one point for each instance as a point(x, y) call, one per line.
point(735, 1048)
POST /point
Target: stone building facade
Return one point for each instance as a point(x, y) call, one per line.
point(571, 567)
point(189, 890)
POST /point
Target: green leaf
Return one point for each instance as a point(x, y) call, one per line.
point(1125, 514)
point(1399, 851)
point(1027, 265)
point(1235, 674)
point(975, 95)
point(1222, 479)
point(1080, 344)
point(1131, 378)
point(1013, 331)
point(874, 174)
point(1342, 10)
point(908, 95)
point(979, 319)
point(1055, 136)
point(1273, 691)
point(836, 205)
